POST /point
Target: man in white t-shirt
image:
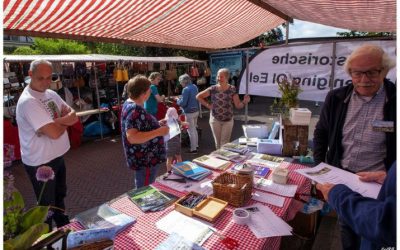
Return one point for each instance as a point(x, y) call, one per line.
point(43, 118)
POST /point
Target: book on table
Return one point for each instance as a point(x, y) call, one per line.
point(225, 154)
point(190, 170)
point(104, 216)
point(212, 162)
point(234, 147)
point(264, 160)
point(149, 198)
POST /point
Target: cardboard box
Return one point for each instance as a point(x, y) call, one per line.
point(300, 116)
point(295, 139)
point(255, 130)
point(271, 146)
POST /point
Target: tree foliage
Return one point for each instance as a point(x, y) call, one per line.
point(48, 46)
point(25, 50)
point(269, 37)
point(354, 33)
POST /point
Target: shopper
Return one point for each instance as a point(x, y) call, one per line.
point(190, 106)
point(43, 118)
point(142, 135)
point(223, 97)
point(151, 104)
point(173, 144)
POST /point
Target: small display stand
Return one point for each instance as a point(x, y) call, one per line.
point(295, 138)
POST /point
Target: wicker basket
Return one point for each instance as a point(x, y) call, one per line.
point(236, 189)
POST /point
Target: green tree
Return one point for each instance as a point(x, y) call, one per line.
point(266, 38)
point(49, 46)
point(25, 50)
point(354, 33)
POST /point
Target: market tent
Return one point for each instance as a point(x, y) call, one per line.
point(360, 15)
point(191, 24)
point(97, 58)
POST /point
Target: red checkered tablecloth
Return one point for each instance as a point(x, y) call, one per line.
point(144, 234)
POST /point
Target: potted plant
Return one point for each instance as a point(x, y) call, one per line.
point(289, 89)
point(23, 227)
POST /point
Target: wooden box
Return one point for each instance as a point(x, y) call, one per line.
point(208, 209)
point(295, 139)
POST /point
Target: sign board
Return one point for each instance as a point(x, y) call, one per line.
point(311, 64)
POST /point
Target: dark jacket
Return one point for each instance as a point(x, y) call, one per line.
point(372, 219)
point(328, 131)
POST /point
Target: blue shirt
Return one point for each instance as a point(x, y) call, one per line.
point(151, 104)
point(188, 101)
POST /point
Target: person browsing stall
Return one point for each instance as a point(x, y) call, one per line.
point(43, 118)
point(346, 135)
point(190, 106)
point(142, 135)
point(223, 98)
point(151, 105)
point(374, 220)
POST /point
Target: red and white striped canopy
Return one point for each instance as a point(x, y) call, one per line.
point(359, 15)
point(191, 24)
point(196, 24)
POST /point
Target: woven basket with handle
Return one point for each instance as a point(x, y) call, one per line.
point(236, 189)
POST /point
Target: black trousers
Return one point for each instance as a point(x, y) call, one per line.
point(54, 191)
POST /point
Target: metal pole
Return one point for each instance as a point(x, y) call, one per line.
point(247, 85)
point(332, 78)
point(287, 32)
point(98, 100)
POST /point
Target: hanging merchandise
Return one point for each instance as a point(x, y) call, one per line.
point(171, 74)
point(207, 72)
point(150, 66)
point(119, 77)
point(163, 66)
point(80, 69)
point(68, 70)
point(57, 67)
point(201, 81)
point(194, 72)
point(55, 82)
point(125, 76)
point(79, 82)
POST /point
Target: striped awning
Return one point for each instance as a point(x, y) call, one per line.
point(191, 24)
point(359, 15)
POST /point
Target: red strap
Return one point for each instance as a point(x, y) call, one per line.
point(147, 177)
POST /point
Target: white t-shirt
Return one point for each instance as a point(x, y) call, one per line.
point(34, 110)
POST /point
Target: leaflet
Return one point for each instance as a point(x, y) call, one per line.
point(324, 173)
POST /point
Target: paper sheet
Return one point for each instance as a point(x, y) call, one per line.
point(174, 129)
point(191, 229)
point(272, 187)
point(265, 223)
point(324, 173)
point(268, 198)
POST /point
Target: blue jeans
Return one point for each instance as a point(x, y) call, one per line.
point(145, 176)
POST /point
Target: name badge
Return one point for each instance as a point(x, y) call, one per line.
point(383, 126)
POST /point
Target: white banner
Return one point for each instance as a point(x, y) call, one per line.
point(311, 64)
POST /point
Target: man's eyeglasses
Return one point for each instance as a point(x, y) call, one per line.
point(370, 73)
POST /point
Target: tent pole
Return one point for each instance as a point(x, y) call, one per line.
point(287, 33)
point(247, 85)
point(98, 99)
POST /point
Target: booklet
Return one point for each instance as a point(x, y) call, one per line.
point(225, 154)
point(104, 216)
point(79, 238)
point(265, 160)
point(149, 198)
point(190, 170)
point(212, 162)
point(175, 241)
point(234, 147)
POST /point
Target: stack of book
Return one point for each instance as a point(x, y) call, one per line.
point(225, 154)
point(212, 162)
point(237, 148)
point(257, 170)
point(252, 142)
point(264, 160)
point(190, 170)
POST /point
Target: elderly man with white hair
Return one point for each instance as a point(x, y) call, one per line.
point(356, 129)
point(190, 106)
